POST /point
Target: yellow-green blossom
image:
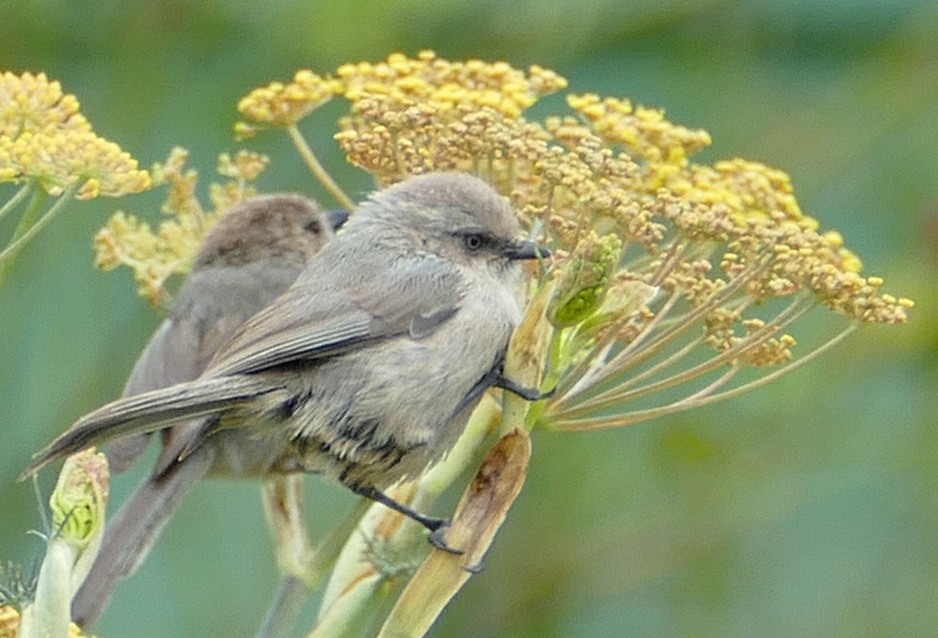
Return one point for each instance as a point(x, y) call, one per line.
point(32, 103)
point(279, 104)
point(44, 137)
point(644, 132)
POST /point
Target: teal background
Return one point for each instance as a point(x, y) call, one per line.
point(808, 508)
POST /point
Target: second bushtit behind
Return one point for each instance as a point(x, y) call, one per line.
point(251, 255)
point(368, 367)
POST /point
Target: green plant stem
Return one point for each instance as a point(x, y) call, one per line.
point(29, 226)
point(18, 197)
point(316, 167)
point(48, 614)
point(293, 591)
point(292, 595)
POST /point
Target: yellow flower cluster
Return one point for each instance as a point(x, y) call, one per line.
point(719, 257)
point(643, 131)
point(279, 104)
point(425, 81)
point(44, 137)
point(427, 114)
point(401, 107)
point(155, 257)
point(442, 85)
point(31, 103)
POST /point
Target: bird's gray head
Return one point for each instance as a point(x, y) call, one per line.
point(453, 215)
point(286, 226)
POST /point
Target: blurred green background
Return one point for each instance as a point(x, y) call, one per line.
point(808, 508)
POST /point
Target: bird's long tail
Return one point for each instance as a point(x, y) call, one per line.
point(151, 411)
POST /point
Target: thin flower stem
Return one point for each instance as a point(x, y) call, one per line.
point(616, 396)
point(632, 356)
point(290, 599)
point(28, 227)
point(661, 365)
point(631, 418)
point(31, 229)
point(718, 298)
point(718, 383)
point(638, 350)
point(640, 263)
point(667, 265)
point(583, 377)
point(794, 310)
point(317, 169)
point(18, 197)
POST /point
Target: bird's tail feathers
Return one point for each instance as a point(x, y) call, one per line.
point(151, 411)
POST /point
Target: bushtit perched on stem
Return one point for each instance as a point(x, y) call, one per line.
point(252, 254)
point(367, 368)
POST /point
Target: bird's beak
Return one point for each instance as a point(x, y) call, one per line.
point(526, 250)
point(337, 218)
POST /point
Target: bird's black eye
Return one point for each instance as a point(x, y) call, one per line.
point(473, 241)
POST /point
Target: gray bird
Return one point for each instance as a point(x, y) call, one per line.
point(251, 255)
point(367, 368)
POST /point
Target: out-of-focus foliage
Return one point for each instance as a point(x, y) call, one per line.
point(807, 508)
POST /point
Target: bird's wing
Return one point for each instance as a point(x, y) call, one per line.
point(209, 308)
point(310, 322)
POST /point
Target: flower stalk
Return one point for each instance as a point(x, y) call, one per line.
point(78, 505)
point(316, 168)
point(671, 285)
